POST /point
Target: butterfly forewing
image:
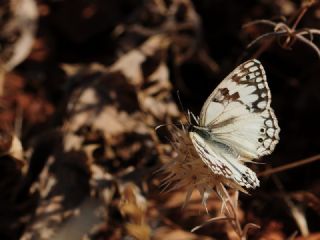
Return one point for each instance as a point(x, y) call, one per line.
point(246, 84)
point(238, 111)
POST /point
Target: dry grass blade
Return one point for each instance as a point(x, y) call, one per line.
point(296, 212)
point(307, 198)
point(229, 213)
point(249, 226)
point(211, 220)
point(293, 236)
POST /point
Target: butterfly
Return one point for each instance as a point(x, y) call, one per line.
point(236, 124)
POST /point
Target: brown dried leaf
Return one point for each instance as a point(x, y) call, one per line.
point(177, 234)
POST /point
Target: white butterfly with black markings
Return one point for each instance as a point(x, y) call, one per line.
point(237, 124)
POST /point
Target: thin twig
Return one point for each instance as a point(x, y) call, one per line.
point(289, 166)
point(309, 43)
point(259, 21)
point(270, 34)
point(281, 29)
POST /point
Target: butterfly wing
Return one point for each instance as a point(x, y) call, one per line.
point(223, 161)
point(238, 112)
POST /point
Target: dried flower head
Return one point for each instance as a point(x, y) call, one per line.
point(188, 170)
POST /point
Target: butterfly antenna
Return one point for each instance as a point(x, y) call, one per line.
point(166, 124)
point(187, 115)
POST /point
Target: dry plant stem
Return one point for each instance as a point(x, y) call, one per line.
point(229, 211)
point(208, 61)
point(309, 43)
point(296, 212)
point(249, 226)
point(282, 29)
point(289, 166)
point(2, 80)
point(301, 14)
point(271, 34)
point(266, 44)
point(18, 122)
point(293, 235)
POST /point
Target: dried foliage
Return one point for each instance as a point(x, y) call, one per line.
point(83, 86)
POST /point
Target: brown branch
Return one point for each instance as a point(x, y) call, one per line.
point(289, 166)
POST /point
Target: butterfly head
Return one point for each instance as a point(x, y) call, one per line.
point(192, 122)
point(190, 127)
point(201, 131)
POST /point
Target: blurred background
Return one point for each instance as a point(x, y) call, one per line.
point(84, 83)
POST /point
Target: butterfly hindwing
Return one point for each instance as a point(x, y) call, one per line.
point(222, 161)
point(269, 133)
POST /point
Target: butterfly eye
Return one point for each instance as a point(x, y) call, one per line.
point(260, 139)
point(262, 130)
